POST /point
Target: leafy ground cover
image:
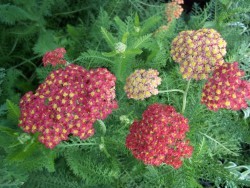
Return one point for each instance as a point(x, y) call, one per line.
point(124, 94)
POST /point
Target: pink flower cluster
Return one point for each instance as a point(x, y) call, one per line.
point(68, 102)
point(54, 57)
point(173, 10)
point(198, 52)
point(142, 84)
point(160, 137)
point(225, 89)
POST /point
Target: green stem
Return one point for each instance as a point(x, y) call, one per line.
point(80, 144)
point(103, 148)
point(185, 97)
point(119, 67)
point(103, 127)
point(172, 90)
point(25, 61)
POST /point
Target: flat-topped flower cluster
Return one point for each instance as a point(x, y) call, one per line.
point(142, 84)
point(198, 52)
point(173, 9)
point(226, 89)
point(54, 57)
point(68, 102)
point(160, 137)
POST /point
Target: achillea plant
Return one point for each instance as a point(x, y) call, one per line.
point(125, 152)
point(226, 89)
point(54, 57)
point(173, 10)
point(160, 137)
point(68, 102)
point(142, 84)
point(198, 52)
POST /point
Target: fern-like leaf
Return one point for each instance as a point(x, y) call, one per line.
point(122, 26)
point(45, 43)
point(93, 58)
point(108, 38)
point(13, 111)
point(10, 14)
point(141, 42)
point(149, 24)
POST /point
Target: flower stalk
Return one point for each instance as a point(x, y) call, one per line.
point(184, 103)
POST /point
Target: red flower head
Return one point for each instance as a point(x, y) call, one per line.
point(54, 57)
point(225, 89)
point(160, 137)
point(198, 52)
point(68, 102)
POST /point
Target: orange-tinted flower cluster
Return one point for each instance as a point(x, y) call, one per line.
point(225, 89)
point(198, 52)
point(160, 137)
point(173, 10)
point(179, 1)
point(54, 57)
point(142, 84)
point(68, 102)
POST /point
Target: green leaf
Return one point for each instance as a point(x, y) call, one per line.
point(150, 24)
point(133, 52)
point(109, 54)
point(141, 41)
point(108, 37)
point(225, 2)
point(13, 111)
point(123, 28)
point(10, 14)
point(209, 24)
point(45, 43)
point(74, 32)
point(137, 20)
point(125, 37)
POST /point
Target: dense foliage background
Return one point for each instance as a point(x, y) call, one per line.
point(89, 30)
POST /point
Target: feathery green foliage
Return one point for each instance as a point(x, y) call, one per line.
point(122, 36)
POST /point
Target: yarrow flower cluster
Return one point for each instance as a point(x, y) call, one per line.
point(68, 102)
point(173, 10)
point(160, 137)
point(142, 84)
point(54, 57)
point(198, 52)
point(225, 89)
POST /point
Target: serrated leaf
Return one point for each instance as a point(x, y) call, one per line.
point(94, 56)
point(108, 37)
point(13, 111)
point(10, 14)
point(149, 24)
point(45, 43)
point(121, 25)
point(141, 41)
